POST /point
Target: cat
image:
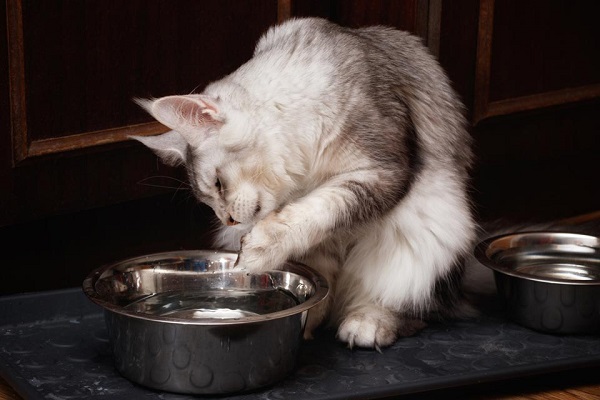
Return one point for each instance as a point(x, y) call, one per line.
point(344, 149)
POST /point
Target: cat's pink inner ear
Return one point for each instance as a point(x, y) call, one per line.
point(179, 112)
point(208, 104)
point(196, 112)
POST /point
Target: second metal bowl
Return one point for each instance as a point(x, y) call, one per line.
point(550, 281)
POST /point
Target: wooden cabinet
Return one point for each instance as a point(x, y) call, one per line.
point(77, 193)
point(529, 73)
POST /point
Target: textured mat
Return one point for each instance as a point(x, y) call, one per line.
point(54, 345)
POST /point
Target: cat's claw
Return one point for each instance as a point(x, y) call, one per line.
point(376, 327)
point(370, 330)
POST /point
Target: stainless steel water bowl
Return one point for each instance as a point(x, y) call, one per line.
point(549, 281)
point(188, 322)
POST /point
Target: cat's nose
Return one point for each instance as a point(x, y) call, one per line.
point(231, 221)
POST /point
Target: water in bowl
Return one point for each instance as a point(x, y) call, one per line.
point(214, 304)
point(554, 266)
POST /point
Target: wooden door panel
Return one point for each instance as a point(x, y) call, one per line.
point(543, 46)
point(535, 54)
point(74, 68)
point(529, 76)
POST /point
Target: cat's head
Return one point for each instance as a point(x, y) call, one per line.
point(229, 167)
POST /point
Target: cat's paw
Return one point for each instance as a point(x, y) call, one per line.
point(262, 248)
point(369, 328)
point(375, 327)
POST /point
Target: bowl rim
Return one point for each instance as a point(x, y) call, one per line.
point(482, 254)
point(320, 294)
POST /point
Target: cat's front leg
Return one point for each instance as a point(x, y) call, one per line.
point(344, 201)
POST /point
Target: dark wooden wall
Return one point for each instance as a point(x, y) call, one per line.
point(75, 193)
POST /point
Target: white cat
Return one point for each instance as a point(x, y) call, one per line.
point(346, 150)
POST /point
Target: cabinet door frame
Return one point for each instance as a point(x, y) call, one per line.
point(24, 147)
point(484, 107)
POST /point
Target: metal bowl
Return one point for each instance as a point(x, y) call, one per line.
point(549, 281)
point(188, 322)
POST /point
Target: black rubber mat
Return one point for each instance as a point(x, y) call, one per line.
point(54, 345)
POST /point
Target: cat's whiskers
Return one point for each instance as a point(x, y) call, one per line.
point(182, 184)
point(195, 88)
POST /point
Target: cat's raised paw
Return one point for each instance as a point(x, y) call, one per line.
point(261, 249)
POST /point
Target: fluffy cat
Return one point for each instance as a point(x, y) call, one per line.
point(344, 149)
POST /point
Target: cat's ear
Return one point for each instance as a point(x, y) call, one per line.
point(193, 116)
point(171, 147)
